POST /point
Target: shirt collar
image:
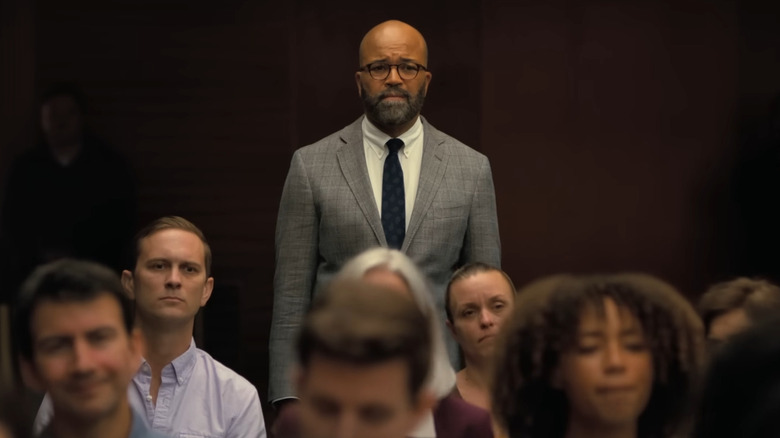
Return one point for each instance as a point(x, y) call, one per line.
point(182, 365)
point(376, 139)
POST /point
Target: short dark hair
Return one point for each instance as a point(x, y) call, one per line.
point(172, 223)
point(544, 325)
point(741, 397)
point(364, 324)
point(66, 280)
point(65, 89)
point(759, 298)
point(469, 270)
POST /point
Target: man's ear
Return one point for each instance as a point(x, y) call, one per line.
point(428, 77)
point(128, 283)
point(207, 289)
point(30, 376)
point(357, 81)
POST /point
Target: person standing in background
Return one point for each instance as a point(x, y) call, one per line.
point(388, 179)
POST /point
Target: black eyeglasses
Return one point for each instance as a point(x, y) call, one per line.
point(381, 70)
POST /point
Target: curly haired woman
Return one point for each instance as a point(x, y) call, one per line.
point(614, 356)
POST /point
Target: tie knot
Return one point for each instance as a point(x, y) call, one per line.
point(394, 145)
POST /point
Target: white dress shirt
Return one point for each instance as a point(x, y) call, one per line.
point(410, 157)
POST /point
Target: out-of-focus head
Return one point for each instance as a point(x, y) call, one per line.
point(74, 326)
point(393, 96)
point(171, 279)
point(608, 351)
point(62, 114)
point(730, 307)
point(741, 397)
point(478, 299)
point(392, 269)
point(364, 355)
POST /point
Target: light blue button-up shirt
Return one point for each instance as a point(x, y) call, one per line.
point(198, 398)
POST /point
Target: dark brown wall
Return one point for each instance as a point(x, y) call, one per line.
point(608, 124)
point(603, 121)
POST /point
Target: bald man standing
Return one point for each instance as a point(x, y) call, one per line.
point(388, 179)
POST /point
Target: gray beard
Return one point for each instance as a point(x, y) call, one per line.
point(385, 113)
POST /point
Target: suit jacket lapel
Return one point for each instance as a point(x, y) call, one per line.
point(434, 163)
point(352, 160)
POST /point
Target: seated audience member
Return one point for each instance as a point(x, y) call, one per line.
point(478, 299)
point(613, 356)
point(730, 307)
point(180, 388)
point(363, 358)
point(74, 328)
point(741, 397)
point(451, 417)
point(14, 420)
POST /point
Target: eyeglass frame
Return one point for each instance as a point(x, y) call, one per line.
point(366, 68)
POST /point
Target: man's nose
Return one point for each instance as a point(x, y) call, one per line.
point(393, 77)
point(347, 427)
point(83, 359)
point(174, 278)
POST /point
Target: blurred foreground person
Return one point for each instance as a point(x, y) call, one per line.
point(598, 356)
point(74, 328)
point(741, 398)
point(731, 307)
point(363, 359)
point(451, 417)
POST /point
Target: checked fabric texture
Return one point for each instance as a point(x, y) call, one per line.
point(393, 197)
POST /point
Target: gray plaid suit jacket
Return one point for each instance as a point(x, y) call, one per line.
point(328, 215)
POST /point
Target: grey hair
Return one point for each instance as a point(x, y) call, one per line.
point(441, 378)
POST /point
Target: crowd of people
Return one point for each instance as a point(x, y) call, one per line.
point(567, 356)
point(392, 317)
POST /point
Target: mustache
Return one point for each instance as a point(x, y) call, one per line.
point(394, 92)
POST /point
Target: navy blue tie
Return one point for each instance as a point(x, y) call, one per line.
point(393, 198)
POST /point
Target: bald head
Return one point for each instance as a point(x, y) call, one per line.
point(393, 36)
